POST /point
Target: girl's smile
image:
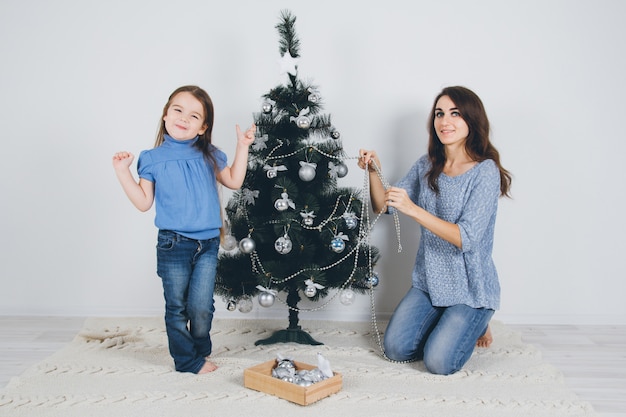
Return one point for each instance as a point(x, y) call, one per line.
point(184, 119)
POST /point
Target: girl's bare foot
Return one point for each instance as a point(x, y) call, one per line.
point(207, 368)
point(485, 340)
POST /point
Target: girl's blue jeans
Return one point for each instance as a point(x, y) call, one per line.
point(187, 269)
point(443, 337)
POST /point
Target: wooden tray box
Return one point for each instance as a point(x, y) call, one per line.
point(260, 378)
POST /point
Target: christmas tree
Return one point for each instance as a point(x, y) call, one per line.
point(290, 228)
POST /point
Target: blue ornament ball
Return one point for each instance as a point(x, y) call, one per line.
point(337, 245)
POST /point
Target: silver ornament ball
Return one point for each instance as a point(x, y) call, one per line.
point(281, 205)
point(267, 107)
point(303, 122)
point(247, 245)
point(272, 174)
point(231, 305)
point(347, 297)
point(310, 291)
point(308, 221)
point(342, 170)
point(283, 245)
point(335, 134)
point(307, 173)
point(351, 222)
point(266, 299)
point(245, 305)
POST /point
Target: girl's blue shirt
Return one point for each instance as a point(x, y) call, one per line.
point(185, 187)
point(448, 274)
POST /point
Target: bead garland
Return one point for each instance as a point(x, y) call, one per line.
point(365, 227)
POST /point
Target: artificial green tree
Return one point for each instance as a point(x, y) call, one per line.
point(291, 229)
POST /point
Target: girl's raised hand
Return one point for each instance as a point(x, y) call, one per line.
point(247, 137)
point(122, 160)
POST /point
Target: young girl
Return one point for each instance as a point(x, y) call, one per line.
point(452, 193)
point(180, 175)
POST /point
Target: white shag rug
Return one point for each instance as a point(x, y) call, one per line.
point(121, 367)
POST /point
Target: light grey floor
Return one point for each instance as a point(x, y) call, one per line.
point(592, 358)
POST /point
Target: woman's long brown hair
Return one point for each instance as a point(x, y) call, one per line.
point(477, 145)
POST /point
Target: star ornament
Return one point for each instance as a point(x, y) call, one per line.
point(288, 64)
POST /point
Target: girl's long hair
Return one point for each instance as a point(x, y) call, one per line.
point(204, 142)
point(477, 145)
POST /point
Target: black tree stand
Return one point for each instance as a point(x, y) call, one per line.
point(294, 332)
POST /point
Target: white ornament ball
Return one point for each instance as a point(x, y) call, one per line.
point(247, 245)
point(307, 173)
point(308, 221)
point(281, 205)
point(347, 297)
point(229, 243)
point(245, 305)
point(266, 299)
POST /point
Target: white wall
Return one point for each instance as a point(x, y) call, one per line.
point(80, 80)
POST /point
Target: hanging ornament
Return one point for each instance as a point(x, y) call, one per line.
point(266, 296)
point(248, 196)
point(245, 304)
point(281, 205)
point(338, 244)
point(284, 203)
point(335, 134)
point(337, 170)
point(342, 170)
point(260, 143)
point(272, 171)
point(307, 217)
point(373, 280)
point(229, 242)
point(347, 296)
point(311, 288)
point(283, 244)
point(307, 171)
point(350, 219)
point(302, 120)
point(314, 97)
point(266, 107)
point(231, 305)
point(247, 245)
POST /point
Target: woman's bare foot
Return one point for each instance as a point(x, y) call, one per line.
point(207, 368)
point(485, 340)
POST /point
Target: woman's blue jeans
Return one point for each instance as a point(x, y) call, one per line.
point(443, 337)
point(187, 269)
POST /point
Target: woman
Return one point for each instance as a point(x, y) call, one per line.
point(452, 193)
